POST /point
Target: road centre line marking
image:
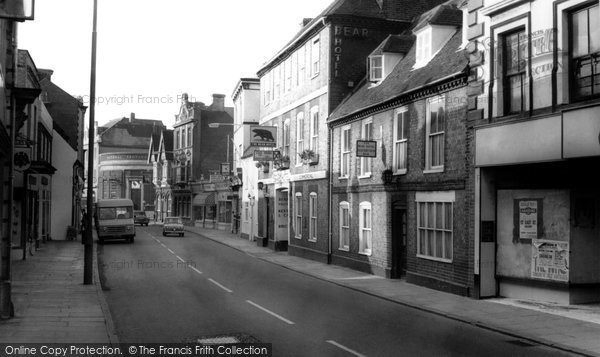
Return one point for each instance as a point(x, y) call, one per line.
point(180, 258)
point(345, 348)
point(172, 252)
point(163, 244)
point(219, 285)
point(270, 312)
point(196, 270)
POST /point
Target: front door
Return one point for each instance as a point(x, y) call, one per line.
point(399, 230)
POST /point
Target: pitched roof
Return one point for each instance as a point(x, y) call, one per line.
point(446, 14)
point(396, 10)
point(395, 44)
point(403, 80)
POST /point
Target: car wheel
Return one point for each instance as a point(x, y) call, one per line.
point(164, 234)
point(131, 240)
point(181, 234)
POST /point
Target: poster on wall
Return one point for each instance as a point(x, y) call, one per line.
point(528, 219)
point(550, 260)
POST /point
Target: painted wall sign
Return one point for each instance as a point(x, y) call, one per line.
point(339, 33)
point(550, 260)
point(366, 148)
point(264, 155)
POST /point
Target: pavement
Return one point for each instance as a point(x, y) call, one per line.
point(52, 304)
point(570, 328)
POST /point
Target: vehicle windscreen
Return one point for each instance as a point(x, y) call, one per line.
point(173, 220)
point(106, 213)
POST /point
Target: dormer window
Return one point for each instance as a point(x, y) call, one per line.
point(423, 52)
point(375, 68)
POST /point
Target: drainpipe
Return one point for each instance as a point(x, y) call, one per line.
point(330, 159)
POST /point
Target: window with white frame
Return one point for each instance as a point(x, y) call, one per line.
point(294, 79)
point(315, 56)
point(364, 233)
point(514, 71)
point(436, 124)
point(301, 64)
point(299, 135)
point(268, 86)
point(423, 51)
point(585, 54)
point(298, 215)
point(435, 225)
point(246, 211)
point(400, 141)
point(314, 129)
point(375, 68)
point(312, 208)
point(288, 75)
point(277, 81)
point(366, 163)
point(345, 147)
point(286, 138)
point(344, 226)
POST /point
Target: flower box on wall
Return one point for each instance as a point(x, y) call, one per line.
point(309, 157)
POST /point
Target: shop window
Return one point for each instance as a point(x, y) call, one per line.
point(585, 52)
point(400, 141)
point(344, 226)
point(435, 229)
point(365, 233)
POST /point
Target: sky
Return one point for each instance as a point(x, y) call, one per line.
point(150, 51)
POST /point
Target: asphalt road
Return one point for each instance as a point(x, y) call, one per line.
point(172, 289)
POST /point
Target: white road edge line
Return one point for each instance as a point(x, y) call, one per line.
point(219, 285)
point(270, 312)
point(172, 252)
point(180, 258)
point(345, 348)
point(196, 270)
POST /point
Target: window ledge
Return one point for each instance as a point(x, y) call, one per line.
point(434, 258)
point(298, 236)
point(313, 240)
point(367, 253)
point(434, 170)
point(315, 75)
point(369, 175)
point(343, 177)
point(401, 172)
point(344, 249)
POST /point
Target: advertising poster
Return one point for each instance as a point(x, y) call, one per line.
point(550, 260)
point(528, 219)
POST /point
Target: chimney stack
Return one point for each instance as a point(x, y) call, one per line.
point(306, 20)
point(45, 73)
point(131, 117)
point(218, 103)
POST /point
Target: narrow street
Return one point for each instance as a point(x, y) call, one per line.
point(172, 289)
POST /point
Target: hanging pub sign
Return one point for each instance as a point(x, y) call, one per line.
point(22, 158)
point(263, 136)
point(17, 10)
point(528, 219)
point(366, 148)
point(225, 168)
point(263, 155)
point(550, 260)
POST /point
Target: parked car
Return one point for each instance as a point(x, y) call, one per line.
point(173, 225)
point(139, 217)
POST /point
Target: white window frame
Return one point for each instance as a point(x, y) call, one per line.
point(299, 136)
point(298, 215)
point(345, 151)
point(314, 129)
point(373, 68)
point(286, 138)
point(312, 215)
point(429, 168)
point(315, 57)
point(366, 163)
point(365, 228)
point(277, 82)
point(301, 65)
point(344, 243)
point(401, 119)
point(443, 198)
point(424, 43)
point(287, 84)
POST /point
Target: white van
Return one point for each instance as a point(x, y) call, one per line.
point(114, 219)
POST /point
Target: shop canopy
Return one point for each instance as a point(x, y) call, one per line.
point(204, 199)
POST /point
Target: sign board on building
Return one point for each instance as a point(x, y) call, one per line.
point(22, 158)
point(263, 155)
point(366, 148)
point(225, 168)
point(263, 136)
point(550, 260)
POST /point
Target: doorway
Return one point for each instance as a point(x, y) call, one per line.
point(399, 231)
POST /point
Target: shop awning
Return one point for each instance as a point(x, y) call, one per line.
point(204, 199)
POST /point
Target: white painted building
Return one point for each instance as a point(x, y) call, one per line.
point(63, 159)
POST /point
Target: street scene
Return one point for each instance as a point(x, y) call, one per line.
point(330, 178)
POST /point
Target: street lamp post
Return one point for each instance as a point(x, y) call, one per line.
point(88, 242)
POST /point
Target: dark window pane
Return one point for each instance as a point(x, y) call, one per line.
point(580, 35)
